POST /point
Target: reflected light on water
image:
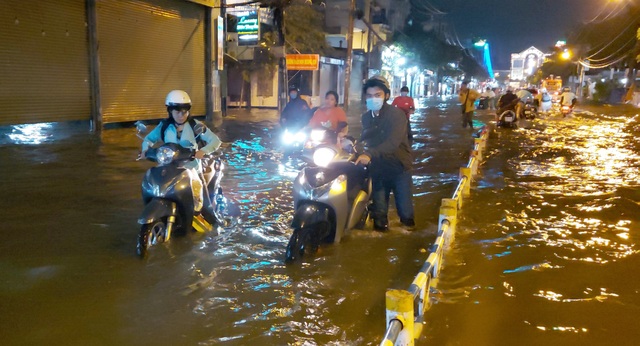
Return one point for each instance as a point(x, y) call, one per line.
point(30, 133)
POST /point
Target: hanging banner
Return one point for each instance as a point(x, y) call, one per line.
point(304, 62)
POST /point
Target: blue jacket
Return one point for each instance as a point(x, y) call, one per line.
point(188, 137)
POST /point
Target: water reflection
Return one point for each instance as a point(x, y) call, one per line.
point(562, 226)
point(30, 133)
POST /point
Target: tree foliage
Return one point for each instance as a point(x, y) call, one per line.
point(608, 40)
point(304, 29)
point(429, 49)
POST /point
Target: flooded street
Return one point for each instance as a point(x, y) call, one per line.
point(546, 251)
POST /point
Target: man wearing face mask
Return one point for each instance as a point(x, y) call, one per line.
point(387, 150)
point(296, 112)
point(405, 103)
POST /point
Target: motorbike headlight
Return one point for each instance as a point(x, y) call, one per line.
point(317, 135)
point(323, 156)
point(300, 136)
point(165, 155)
point(288, 137)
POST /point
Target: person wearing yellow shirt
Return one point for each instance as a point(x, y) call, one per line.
point(467, 97)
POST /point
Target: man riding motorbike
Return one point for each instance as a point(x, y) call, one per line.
point(524, 97)
point(507, 102)
point(568, 98)
point(179, 128)
point(296, 112)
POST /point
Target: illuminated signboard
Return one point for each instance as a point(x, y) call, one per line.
point(248, 27)
point(305, 62)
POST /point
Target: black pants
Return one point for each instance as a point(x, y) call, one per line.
point(467, 119)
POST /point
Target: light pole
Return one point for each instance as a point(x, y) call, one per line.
point(347, 70)
point(566, 55)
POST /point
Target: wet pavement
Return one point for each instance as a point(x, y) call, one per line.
point(545, 253)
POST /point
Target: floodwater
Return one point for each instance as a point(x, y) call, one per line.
point(546, 251)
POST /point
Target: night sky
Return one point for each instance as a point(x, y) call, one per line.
point(512, 26)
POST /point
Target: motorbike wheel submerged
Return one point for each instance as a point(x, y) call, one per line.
point(167, 193)
point(329, 202)
point(152, 234)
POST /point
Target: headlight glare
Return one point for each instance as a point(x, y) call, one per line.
point(323, 156)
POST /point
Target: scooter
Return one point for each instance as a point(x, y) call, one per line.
point(483, 102)
point(331, 197)
point(566, 110)
point(295, 134)
point(167, 194)
point(507, 119)
point(530, 111)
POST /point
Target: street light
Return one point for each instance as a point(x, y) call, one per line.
point(566, 55)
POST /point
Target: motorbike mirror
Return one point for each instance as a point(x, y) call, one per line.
point(141, 129)
point(140, 126)
point(198, 129)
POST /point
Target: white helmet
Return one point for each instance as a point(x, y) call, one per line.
point(177, 98)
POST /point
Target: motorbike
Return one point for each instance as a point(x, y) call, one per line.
point(167, 193)
point(483, 102)
point(566, 110)
point(530, 111)
point(507, 119)
point(331, 197)
point(295, 134)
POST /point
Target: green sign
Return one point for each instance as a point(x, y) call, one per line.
point(248, 28)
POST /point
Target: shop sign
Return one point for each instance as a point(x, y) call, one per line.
point(305, 62)
point(248, 27)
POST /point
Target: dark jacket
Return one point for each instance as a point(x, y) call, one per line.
point(386, 141)
point(508, 101)
point(296, 113)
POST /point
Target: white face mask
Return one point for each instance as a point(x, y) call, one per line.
point(375, 103)
point(404, 93)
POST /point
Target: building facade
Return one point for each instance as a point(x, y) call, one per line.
point(525, 63)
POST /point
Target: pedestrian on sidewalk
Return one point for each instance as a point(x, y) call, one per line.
point(467, 97)
point(387, 149)
point(405, 103)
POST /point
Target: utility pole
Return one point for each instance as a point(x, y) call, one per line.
point(347, 72)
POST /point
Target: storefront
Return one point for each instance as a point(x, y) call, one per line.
point(105, 61)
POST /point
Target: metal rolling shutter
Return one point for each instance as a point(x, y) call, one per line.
point(44, 63)
point(146, 49)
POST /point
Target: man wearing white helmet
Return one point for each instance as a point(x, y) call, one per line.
point(181, 129)
point(387, 148)
point(568, 98)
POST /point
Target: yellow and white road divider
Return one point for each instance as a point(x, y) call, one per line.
point(406, 308)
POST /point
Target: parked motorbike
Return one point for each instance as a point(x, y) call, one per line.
point(167, 194)
point(331, 197)
point(507, 119)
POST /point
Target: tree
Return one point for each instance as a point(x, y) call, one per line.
point(297, 24)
